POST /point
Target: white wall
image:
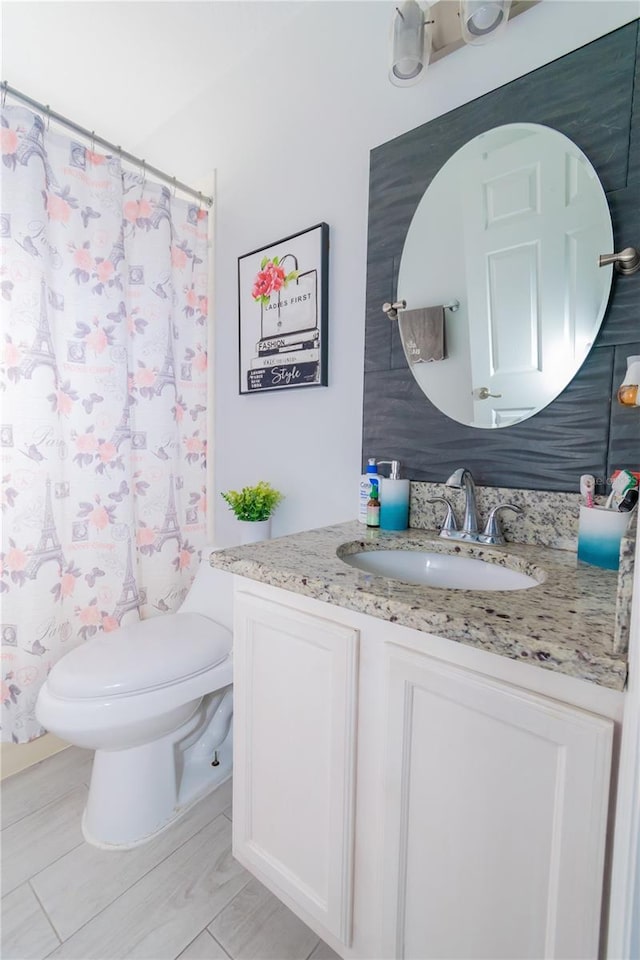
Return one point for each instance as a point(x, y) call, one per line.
point(286, 110)
point(292, 149)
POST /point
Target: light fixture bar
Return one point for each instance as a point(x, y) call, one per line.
point(446, 31)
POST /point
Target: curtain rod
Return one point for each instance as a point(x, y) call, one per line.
point(94, 138)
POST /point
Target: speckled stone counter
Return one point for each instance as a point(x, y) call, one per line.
point(548, 519)
point(566, 623)
point(625, 591)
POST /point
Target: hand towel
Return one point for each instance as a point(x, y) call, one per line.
point(422, 334)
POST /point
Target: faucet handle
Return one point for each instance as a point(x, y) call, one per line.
point(449, 525)
point(493, 529)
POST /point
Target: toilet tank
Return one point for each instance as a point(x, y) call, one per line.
point(211, 592)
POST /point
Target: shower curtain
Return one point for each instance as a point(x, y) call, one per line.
point(103, 287)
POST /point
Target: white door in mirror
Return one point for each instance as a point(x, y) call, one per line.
point(512, 227)
point(528, 319)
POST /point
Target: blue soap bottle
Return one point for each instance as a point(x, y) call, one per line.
point(394, 498)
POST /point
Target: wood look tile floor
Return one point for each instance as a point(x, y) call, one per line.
point(181, 895)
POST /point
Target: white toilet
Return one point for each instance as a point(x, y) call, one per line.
point(154, 700)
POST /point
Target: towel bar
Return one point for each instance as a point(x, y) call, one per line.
point(391, 309)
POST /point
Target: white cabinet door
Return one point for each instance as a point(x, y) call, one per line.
point(496, 808)
point(295, 690)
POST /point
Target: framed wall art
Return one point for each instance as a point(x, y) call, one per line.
point(283, 313)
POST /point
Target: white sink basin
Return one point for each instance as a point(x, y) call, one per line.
point(450, 571)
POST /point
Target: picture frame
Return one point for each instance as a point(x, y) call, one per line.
point(283, 305)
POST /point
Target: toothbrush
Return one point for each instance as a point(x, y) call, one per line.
point(621, 482)
point(587, 487)
point(629, 501)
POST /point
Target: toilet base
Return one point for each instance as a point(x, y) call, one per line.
point(137, 793)
point(199, 790)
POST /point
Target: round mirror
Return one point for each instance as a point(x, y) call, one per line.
point(507, 237)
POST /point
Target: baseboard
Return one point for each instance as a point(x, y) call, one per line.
point(18, 756)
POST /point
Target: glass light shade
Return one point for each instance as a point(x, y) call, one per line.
point(482, 20)
point(629, 392)
point(410, 44)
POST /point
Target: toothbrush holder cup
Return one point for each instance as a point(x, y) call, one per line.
point(599, 534)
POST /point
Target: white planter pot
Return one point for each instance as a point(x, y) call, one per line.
point(252, 531)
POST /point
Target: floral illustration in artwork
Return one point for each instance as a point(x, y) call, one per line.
point(270, 279)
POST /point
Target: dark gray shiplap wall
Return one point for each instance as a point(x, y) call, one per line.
point(589, 96)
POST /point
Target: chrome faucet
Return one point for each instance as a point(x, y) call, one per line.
point(462, 478)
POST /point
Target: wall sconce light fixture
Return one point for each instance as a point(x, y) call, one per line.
point(410, 44)
point(423, 32)
point(629, 392)
point(482, 20)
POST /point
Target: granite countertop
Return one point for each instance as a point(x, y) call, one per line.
point(566, 623)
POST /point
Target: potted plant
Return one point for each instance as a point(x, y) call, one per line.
point(253, 507)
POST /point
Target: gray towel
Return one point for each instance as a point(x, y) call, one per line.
point(422, 334)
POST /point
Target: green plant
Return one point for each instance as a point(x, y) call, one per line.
point(253, 503)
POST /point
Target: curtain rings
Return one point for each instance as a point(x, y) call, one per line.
point(144, 177)
point(173, 180)
point(4, 93)
point(48, 115)
point(93, 141)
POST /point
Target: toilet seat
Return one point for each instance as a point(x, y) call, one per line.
point(141, 657)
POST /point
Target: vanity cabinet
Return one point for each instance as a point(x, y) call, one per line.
point(495, 817)
point(404, 797)
point(294, 759)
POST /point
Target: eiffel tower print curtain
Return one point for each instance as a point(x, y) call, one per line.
point(103, 435)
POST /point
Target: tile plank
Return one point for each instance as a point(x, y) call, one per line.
point(257, 926)
point(324, 952)
point(204, 947)
point(86, 880)
point(26, 932)
point(161, 914)
point(35, 787)
point(35, 841)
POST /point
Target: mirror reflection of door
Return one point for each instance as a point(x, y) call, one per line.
point(528, 225)
point(512, 227)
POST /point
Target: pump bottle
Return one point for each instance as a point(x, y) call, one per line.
point(365, 488)
point(394, 498)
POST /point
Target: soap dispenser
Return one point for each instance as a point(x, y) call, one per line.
point(394, 498)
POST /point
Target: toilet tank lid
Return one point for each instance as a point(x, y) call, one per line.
point(141, 656)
